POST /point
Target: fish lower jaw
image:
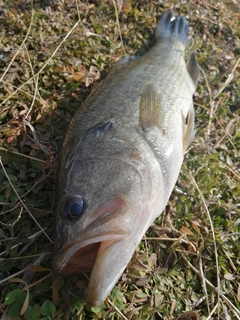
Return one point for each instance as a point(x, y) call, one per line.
point(95, 297)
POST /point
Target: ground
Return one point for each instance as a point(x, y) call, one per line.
point(52, 54)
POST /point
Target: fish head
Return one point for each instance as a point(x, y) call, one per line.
point(102, 210)
point(80, 240)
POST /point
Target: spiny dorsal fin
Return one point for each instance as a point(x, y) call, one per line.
point(193, 68)
point(150, 108)
point(188, 128)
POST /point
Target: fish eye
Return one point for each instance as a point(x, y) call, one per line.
point(73, 208)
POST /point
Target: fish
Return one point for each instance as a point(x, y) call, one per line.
point(121, 158)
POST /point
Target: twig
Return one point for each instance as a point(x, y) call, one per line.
point(204, 283)
point(35, 235)
point(229, 79)
point(118, 24)
point(213, 235)
point(43, 67)
point(35, 138)
point(78, 11)
point(229, 303)
point(36, 87)
point(15, 87)
point(180, 240)
point(225, 133)
point(21, 154)
point(13, 275)
point(17, 219)
point(23, 204)
point(212, 312)
point(15, 55)
point(116, 308)
point(211, 103)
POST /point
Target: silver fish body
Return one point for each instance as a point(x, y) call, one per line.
point(121, 158)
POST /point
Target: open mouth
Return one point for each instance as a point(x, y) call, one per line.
point(82, 261)
point(81, 257)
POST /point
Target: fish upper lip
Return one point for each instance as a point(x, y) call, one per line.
point(114, 204)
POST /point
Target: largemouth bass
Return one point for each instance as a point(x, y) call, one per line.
point(121, 158)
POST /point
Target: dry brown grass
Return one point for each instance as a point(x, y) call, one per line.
point(51, 54)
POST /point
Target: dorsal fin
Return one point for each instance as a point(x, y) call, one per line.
point(150, 109)
point(193, 68)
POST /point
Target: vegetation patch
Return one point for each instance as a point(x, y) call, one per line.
point(52, 55)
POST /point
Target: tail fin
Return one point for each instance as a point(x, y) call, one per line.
point(172, 26)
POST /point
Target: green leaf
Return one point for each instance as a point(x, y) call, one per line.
point(21, 298)
point(12, 296)
point(48, 309)
point(141, 295)
point(15, 309)
point(33, 313)
point(96, 309)
point(77, 306)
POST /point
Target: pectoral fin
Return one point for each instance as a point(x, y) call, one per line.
point(150, 109)
point(193, 68)
point(188, 128)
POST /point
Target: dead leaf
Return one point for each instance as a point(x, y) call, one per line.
point(143, 281)
point(25, 304)
point(195, 227)
point(229, 276)
point(188, 315)
point(186, 231)
point(238, 293)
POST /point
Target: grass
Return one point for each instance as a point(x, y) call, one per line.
point(51, 56)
